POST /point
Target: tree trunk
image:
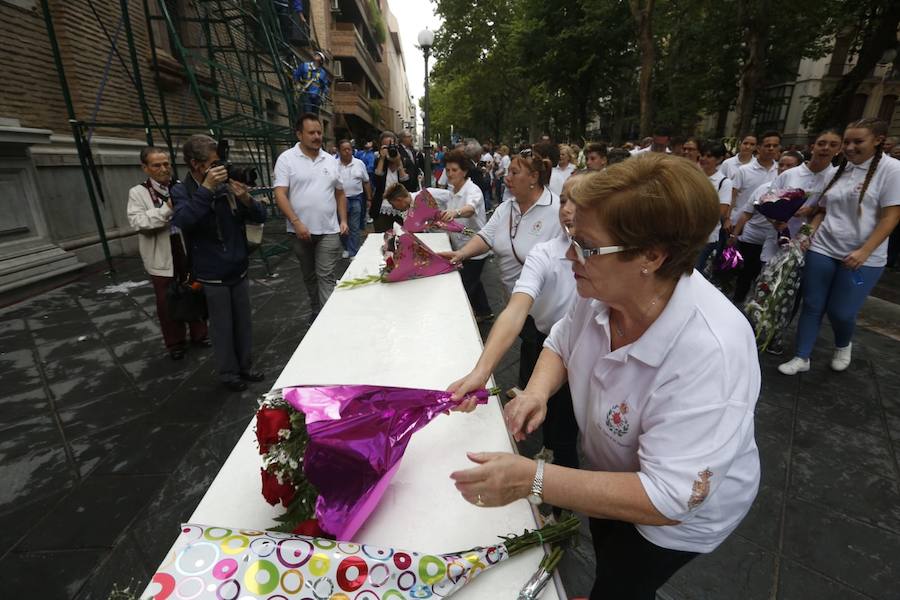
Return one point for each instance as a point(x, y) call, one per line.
point(642, 11)
point(836, 106)
point(755, 17)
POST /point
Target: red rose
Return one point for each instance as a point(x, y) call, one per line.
point(309, 527)
point(616, 418)
point(274, 492)
point(269, 421)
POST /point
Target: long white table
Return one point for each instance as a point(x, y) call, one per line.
point(418, 334)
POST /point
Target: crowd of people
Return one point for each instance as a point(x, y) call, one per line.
point(640, 374)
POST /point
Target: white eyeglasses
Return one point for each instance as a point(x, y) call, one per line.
point(582, 254)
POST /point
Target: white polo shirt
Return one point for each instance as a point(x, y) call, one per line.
point(510, 230)
point(548, 279)
point(676, 407)
point(311, 185)
point(747, 179)
point(731, 165)
point(558, 177)
point(845, 228)
point(468, 195)
point(723, 187)
point(353, 176)
point(813, 184)
point(757, 229)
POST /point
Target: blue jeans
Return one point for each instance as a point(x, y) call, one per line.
point(704, 256)
point(356, 214)
point(829, 287)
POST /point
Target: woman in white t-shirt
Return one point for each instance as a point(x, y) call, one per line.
point(562, 171)
point(466, 206)
point(664, 377)
point(543, 295)
point(515, 227)
point(731, 165)
point(861, 207)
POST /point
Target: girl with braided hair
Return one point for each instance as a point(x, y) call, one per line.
point(859, 208)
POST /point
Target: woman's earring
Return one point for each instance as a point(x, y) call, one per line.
point(644, 271)
point(531, 186)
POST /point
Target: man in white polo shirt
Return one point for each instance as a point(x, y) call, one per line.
point(355, 180)
point(309, 193)
point(758, 171)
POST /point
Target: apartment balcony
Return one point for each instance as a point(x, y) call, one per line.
point(349, 100)
point(346, 44)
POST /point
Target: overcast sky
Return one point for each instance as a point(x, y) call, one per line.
point(414, 16)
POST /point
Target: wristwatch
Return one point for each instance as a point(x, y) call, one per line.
point(536, 496)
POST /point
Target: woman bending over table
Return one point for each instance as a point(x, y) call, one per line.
point(664, 378)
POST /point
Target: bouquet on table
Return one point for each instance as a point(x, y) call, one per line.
point(405, 257)
point(780, 205)
point(425, 216)
point(775, 293)
point(221, 562)
point(330, 452)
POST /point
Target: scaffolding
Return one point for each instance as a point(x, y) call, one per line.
point(236, 57)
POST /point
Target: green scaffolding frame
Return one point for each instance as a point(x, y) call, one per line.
point(240, 61)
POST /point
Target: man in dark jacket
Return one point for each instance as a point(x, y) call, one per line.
point(213, 209)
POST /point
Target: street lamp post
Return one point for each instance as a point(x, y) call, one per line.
point(426, 40)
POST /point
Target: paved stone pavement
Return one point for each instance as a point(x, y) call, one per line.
point(106, 446)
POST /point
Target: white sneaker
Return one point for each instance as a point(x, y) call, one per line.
point(841, 358)
point(794, 366)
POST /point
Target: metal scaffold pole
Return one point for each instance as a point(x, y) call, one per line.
point(76, 133)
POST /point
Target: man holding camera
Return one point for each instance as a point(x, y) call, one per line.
point(162, 247)
point(213, 209)
point(309, 192)
point(390, 168)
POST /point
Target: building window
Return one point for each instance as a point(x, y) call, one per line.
point(772, 107)
point(858, 106)
point(886, 110)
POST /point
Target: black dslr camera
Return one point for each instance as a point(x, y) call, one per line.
point(246, 175)
point(393, 151)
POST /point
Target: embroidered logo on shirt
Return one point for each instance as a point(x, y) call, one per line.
point(616, 421)
point(536, 228)
point(700, 488)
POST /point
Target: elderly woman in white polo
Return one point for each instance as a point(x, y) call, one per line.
point(664, 377)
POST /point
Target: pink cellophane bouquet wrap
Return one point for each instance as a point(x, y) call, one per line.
point(424, 215)
point(405, 257)
point(227, 562)
point(357, 436)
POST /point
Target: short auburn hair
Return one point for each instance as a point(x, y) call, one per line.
point(652, 200)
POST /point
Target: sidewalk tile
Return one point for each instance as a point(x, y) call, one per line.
point(737, 569)
point(94, 514)
point(844, 445)
point(66, 348)
point(858, 555)
point(795, 581)
point(47, 575)
point(851, 491)
point(135, 448)
point(26, 408)
point(103, 412)
point(33, 475)
point(77, 389)
point(128, 565)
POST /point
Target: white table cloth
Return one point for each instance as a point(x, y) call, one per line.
point(418, 334)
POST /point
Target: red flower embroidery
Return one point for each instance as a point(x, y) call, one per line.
point(617, 418)
point(269, 421)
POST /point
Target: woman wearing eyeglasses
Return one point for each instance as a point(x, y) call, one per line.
point(664, 378)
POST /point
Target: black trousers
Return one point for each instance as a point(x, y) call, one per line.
point(560, 429)
point(749, 271)
point(471, 280)
point(628, 566)
point(230, 327)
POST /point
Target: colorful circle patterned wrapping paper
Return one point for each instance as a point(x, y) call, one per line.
point(236, 564)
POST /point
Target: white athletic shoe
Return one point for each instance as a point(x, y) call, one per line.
point(794, 366)
point(841, 358)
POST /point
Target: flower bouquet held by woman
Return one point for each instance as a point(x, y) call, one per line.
point(228, 563)
point(405, 257)
point(780, 206)
point(424, 215)
point(771, 307)
point(303, 432)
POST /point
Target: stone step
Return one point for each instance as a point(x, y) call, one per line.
point(27, 265)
